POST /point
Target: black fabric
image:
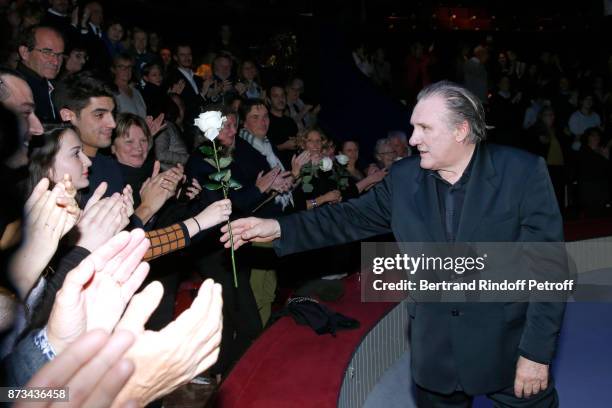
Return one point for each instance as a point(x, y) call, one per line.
point(40, 91)
point(280, 130)
point(451, 197)
point(103, 168)
point(323, 320)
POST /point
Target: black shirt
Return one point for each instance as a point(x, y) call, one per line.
point(451, 198)
point(280, 130)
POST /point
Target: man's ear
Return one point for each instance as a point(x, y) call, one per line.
point(462, 131)
point(67, 115)
point(24, 53)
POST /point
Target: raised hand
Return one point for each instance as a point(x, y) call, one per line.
point(251, 229)
point(297, 162)
point(178, 87)
point(155, 125)
point(264, 181)
point(101, 220)
point(45, 224)
point(169, 358)
point(283, 182)
point(96, 292)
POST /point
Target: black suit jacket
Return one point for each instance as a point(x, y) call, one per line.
point(509, 198)
point(192, 99)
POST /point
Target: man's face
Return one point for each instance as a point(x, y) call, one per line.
point(278, 99)
point(433, 135)
point(96, 122)
point(96, 13)
point(165, 55)
point(47, 55)
point(21, 101)
point(223, 68)
point(227, 135)
point(140, 41)
point(399, 147)
point(257, 121)
point(183, 57)
point(61, 6)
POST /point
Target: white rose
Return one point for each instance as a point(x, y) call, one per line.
point(210, 123)
point(342, 159)
point(326, 164)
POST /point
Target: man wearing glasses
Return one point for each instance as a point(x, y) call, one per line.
point(41, 50)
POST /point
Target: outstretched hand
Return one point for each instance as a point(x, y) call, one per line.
point(251, 229)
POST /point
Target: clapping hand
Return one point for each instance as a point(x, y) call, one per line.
point(155, 125)
point(171, 357)
point(96, 292)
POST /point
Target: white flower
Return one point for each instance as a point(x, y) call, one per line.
point(326, 164)
point(342, 159)
point(210, 123)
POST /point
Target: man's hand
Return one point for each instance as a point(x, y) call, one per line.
point(95, 293)
point(531, 378)
point(169, 358)
point(251, 230)
point(91, 368)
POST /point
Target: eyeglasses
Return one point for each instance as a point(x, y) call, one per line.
point(48, 53)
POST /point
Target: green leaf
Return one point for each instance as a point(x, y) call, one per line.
point(207, 150)
point(211, 162)
point(307, 179)
point(233, 184)
point(212, 186)
point(225, 161)
point(218, 176)
point(228, 175)
point(307, 188)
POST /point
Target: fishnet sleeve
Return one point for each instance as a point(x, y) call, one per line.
point(166, 240)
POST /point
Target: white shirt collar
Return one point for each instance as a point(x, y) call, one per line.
point(56, 13)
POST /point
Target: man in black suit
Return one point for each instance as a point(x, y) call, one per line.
point(41, 50)
point(459, 190)
point(182, 70)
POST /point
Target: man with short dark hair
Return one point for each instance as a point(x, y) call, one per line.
point(192, 92)
point(87, 103)
point(41, 50)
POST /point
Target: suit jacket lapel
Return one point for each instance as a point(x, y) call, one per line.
point(428, 206)
point(479, 194)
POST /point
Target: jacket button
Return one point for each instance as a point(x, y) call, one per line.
point(455, 312)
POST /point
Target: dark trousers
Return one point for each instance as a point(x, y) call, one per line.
point(501, 399)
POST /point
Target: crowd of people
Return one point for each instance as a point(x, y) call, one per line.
point(108, 195)
point(109, 190)
point(550, 103)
